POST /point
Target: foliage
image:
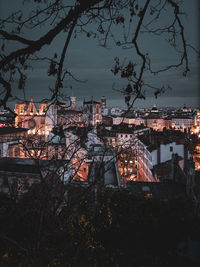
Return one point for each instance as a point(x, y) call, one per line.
point(120, 231)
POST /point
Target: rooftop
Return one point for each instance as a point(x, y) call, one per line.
point(29, 166)
point(154, 139)
point(90, 102)
point(69, 111)
point(165, 170)
point(11, 130)
point(101, 150)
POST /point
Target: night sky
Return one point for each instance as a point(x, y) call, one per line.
point(90, 62)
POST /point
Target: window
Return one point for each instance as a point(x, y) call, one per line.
point(171, 149)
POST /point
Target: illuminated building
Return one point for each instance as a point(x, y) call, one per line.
point(10, 141)
point(28, 116)
point(180, 122)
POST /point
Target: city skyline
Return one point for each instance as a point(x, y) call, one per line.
point(149, 102)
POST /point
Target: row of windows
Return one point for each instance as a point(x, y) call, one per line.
point(126, 135)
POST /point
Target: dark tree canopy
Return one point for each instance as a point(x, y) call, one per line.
point(50, 18)
point(124, 231)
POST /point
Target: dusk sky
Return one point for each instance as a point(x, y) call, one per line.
point(90, 62)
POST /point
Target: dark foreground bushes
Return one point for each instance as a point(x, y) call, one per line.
point(120, 230)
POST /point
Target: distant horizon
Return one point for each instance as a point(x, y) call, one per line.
point(160, 102)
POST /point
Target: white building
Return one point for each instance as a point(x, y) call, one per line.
point(151, 153)
point(117, 120)
point(116, 111)
point(182, 122)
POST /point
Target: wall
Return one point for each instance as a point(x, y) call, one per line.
point(166, 153)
